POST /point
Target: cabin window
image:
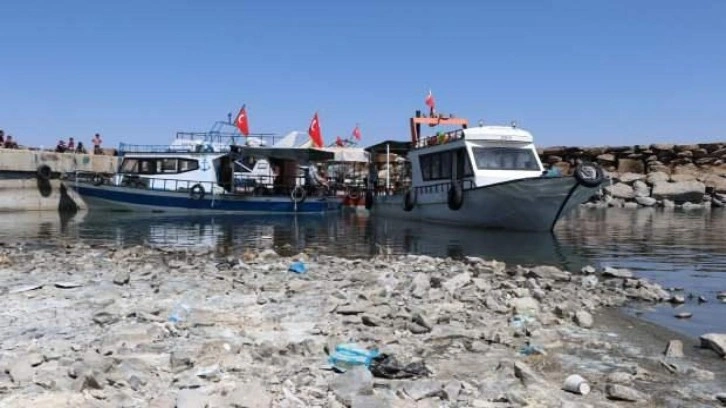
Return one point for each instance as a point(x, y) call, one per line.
point(437, 166)
point(445, 172)
point(148, 166)
point(425, 163)
point(463, 165)
point(504, 158)
point(168, 165)
point(130, 166)
point(188, 165)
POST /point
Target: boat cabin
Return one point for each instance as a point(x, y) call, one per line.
point(483, 155)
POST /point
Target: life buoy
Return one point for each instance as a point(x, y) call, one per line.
point(455, 196)
point(197, 192)
point(589, 174)
point(44, 172)
point(369, 199)
point(409, 200)
point(97, 180)
point(298, 195)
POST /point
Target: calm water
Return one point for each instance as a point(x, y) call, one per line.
point(677, 249)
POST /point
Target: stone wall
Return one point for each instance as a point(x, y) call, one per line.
point(668, 175)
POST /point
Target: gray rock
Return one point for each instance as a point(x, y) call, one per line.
point(356, 381)
point(421, 389)
point(715, 341)
point(26, 288)
point(420, 285)
point(35, 359)
point(641, 190)
point(646, 201)
point(452, 389)
point(250, 395)
point(525, 306)
point(369, 401)
point(588, 269)
point(610, 272)
point(721, 397)
point(657, 176)
point(674, 349)
point(422, 320)
point(684, 315)
point(623, 393)
point(122, 277)
point(679, 192)
point(68, 285)
point(620, 377)
point(352, 309)
point(190, 398)
point(548, 272)
point(620, 190)
point(677, 299)
point(104, 318)
point(526, 375)
point(371, 320)
point(583, 319)
point(457, 282)
point(21, 372)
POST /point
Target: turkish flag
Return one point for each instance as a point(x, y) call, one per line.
point(430, 102)
point(315, 133)
point(241, 121)
point(356, 133)
point(339, 141)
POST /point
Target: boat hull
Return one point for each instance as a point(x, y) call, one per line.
point(533, 204)
point(133, 199)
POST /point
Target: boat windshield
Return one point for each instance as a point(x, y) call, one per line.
point(505, 158)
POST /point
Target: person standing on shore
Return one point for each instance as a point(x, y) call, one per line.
point(2, 138)
point(10, 143)
point(71, 144)
point(97, 144)
point(80, 148)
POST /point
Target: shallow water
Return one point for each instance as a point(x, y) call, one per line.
point(676, 248)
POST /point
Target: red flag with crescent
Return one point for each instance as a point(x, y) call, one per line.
point(315, 133)
point(241, 121)
point(356, 133)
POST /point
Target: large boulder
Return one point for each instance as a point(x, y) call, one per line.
point(640, 189)
point(680, 192)
point(716, 342)
point(718, 183)
point(631, 166)
point(657, 176)
point(620, 190)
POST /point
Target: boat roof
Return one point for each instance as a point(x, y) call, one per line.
point(283, 153)
point(394, 146)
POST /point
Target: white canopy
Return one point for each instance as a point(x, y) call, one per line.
point(349, 154)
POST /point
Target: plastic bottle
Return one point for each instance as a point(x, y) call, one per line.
point(349, 355)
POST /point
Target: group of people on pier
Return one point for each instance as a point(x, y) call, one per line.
point(7, 142)
point(71, 146)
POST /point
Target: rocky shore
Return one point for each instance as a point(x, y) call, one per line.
point(665, 175)
point(150, 327)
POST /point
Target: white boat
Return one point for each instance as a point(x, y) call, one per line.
point(485, 176)
point(207, 174)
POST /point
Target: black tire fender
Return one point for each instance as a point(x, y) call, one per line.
point(44, 172)
point(409, 200)
point(455, 196)
point(197, 192)
point(589, 174)
point(97, 179)
point(298, 195)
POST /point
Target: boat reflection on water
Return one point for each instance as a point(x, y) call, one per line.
point(343, 234)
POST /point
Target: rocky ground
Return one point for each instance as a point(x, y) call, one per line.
point(90, 327)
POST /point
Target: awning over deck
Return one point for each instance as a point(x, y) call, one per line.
point(394, 146)
point(284, 153)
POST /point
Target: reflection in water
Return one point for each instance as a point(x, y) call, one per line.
point(675, 248)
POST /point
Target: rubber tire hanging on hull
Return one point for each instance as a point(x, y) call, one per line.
point(300, 197)
point(369, 199)
point(589, 174)
point(455, 196)
point(44, 172)
point(197, 192)
point(409, 200)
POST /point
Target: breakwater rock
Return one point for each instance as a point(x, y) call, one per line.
point(135, 327)
point(667, 175)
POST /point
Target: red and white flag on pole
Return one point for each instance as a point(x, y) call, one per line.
point(430, 102)
point(315, 133)
point(339, 142)
point(356, 132)
point(241, 121)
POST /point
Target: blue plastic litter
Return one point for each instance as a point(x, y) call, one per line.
point(298, 267)
point(553, 172)
point(350, 355)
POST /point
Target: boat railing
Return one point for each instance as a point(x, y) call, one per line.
point(227, 138)
point(253, 186)
point(442, 187)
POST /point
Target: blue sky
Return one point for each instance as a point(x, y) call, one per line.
point(572, 72)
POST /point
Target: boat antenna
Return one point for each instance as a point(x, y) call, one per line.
point(229, 118)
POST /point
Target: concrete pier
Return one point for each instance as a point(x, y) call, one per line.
point(23, 186)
